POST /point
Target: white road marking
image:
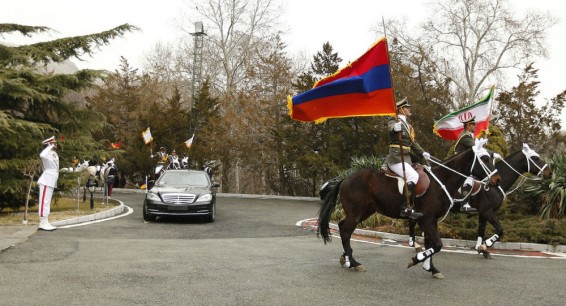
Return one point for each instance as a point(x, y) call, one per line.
point(130, 210)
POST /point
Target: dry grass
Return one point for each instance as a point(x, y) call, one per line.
point(64, 208)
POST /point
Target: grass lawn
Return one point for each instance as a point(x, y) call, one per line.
point(61, 209)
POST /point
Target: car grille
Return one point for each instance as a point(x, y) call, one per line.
point(178, 198)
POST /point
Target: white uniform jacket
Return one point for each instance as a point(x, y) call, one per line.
point(50, 161)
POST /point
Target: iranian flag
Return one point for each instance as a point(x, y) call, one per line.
point(450, 126)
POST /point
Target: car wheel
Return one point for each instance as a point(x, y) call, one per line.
point(147, 216)
point(212, 216)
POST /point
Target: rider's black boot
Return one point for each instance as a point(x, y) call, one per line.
point(407, 212)
point(466, 189)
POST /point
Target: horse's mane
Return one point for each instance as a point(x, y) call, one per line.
point(455, 156)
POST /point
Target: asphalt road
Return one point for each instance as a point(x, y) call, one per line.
point(253, 254)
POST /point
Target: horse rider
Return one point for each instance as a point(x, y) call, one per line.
point(464, 142)
point(410, 146)
point(174, 160)
point(206, 168)
point(162, 156)
point(47, 181)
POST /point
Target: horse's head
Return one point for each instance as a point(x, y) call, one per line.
point(535, 164)
point(83, 166)
point(483, 167)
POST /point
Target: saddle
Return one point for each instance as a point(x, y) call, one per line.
point(422, 183)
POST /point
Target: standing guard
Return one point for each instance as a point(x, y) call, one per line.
point(47, 181)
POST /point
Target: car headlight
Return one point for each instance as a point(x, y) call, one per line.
point(153, 196)
point(204, 198)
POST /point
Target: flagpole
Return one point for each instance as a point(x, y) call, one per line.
point(406, 188)
point(490, 109)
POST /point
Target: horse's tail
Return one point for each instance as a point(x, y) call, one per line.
point(326, 212)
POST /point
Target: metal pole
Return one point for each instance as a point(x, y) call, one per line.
point(405, 188)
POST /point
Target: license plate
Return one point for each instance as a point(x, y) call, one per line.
point(174, 207)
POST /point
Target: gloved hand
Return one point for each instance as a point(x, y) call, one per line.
point(496, 156)
point(397, 127)
point(426, 155)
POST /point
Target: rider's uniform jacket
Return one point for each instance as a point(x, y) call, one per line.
point(410, 145)
point(464, 142)
point(50, 163)
point(163, 157)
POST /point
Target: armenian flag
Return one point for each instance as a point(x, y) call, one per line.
point(363, 88)
point(450, 126)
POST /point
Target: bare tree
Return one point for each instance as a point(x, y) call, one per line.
point(471, 42)
point(237, 28)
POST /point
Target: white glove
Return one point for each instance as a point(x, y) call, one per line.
point(496, 156)
point(426, 156)
point(397, 127)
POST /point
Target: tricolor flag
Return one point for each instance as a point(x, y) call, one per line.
point(116, 145)
point(147, 136)
point(363, 88)
point(450, 126)
point(189, 142)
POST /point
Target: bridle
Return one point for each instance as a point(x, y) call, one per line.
point(479, 152)
point(529, 154)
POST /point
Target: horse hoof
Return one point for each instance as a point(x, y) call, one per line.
point(342, 260)
point(360, 268)
point(412, 262)
point(438, 275)
point(487, 255)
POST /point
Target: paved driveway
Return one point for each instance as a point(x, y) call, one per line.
point(253, 254)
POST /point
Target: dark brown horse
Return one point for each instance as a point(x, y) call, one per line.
point(368, 191)
point(488, 201)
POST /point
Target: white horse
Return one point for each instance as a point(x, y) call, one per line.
point(80, 168)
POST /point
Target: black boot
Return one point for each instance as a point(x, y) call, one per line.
point(465, 206)
point(409, 212)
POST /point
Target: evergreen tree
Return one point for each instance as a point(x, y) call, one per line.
point(33, 105)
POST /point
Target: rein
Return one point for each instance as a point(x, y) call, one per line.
point(524, 178)
point(483, 182)
point(482, 164)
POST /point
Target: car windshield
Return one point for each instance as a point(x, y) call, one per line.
point(183, 179)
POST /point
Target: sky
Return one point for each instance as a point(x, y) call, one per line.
point(347, 25)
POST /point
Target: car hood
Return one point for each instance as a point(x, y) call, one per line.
point(185, 189)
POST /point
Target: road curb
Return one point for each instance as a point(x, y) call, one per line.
point(93, 217)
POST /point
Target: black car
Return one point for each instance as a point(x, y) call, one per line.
point(181, 193)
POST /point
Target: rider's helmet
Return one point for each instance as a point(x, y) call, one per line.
point(162, 149)
point(174, 152)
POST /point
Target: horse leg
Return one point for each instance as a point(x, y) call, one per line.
point(429, 266)
point(347, 227)
point(412, 240)
point(433, 244)
point(480, 246)
point(491, 217)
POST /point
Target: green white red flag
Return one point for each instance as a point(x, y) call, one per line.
point(450, 126)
